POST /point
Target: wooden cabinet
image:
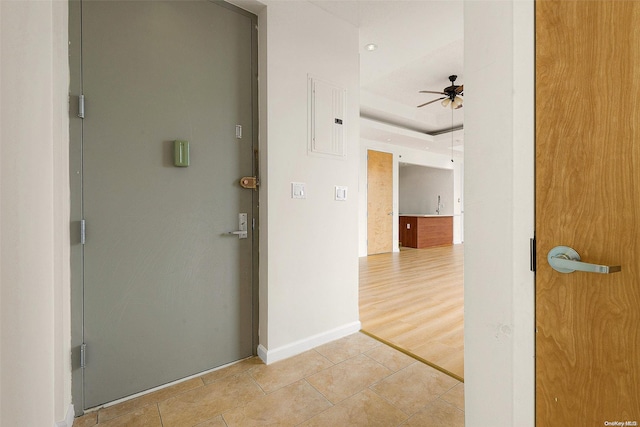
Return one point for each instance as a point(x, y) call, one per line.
point(425, 231)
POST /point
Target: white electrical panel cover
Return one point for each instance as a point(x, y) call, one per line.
point(326, 118)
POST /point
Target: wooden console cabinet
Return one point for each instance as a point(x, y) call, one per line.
point(424, 231)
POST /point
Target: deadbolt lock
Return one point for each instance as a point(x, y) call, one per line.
point(249, 182)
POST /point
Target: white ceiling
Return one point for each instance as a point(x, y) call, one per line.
point(420, 43)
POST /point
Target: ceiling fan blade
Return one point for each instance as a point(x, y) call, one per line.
point(430, 102)
point(430, 91)
point(459, 89)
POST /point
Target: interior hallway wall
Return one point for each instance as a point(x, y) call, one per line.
point(309, 262)
point(499, 213)
point(35, 367)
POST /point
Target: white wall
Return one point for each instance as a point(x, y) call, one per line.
point(309, 248)
point(415, 157)
point(34, 311)
point(419, 188)
point(309, 262)
point(499, 209)
point(35, 373)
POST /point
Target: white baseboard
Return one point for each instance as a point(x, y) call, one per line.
point(295, 348)
point(68, 420)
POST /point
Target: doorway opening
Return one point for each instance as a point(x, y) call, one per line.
point(406, 111)
point(412, 298)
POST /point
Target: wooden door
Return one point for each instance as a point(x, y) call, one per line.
point(379, 202)
point(588, 198)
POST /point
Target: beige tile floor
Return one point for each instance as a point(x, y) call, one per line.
point(354, 381)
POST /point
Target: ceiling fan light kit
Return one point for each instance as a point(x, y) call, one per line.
point(452, 98)
point(454, 104)
point(452, 95)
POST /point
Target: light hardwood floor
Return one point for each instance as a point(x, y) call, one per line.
point(413, 300)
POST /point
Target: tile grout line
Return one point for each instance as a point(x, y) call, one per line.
point(325, 398)
point(392, 371)
point(388, 401)
point(437, 397)
point(160, 414)
point(450, 404)
point(153, 402)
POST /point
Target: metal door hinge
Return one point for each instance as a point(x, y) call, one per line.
point(83, 355)
point(81, 106)
point(532, 254)
point(83, 231)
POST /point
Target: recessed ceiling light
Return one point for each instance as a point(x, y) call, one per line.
point(388, 139)
point(371, 47)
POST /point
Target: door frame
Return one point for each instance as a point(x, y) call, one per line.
point(499, 212)
point(76, 193)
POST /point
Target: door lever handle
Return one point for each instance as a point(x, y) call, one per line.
point(566, 260)
point(242, 225)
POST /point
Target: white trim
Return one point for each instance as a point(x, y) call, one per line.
point(295, 348)
point(499, 324)
point(68, 420)
point(262, 353)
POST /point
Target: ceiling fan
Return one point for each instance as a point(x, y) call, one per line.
point(452, 95)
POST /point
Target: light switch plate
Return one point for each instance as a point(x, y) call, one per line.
point(341, 193)
point(298, 190)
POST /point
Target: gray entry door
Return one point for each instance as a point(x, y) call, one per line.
point(167, 289)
